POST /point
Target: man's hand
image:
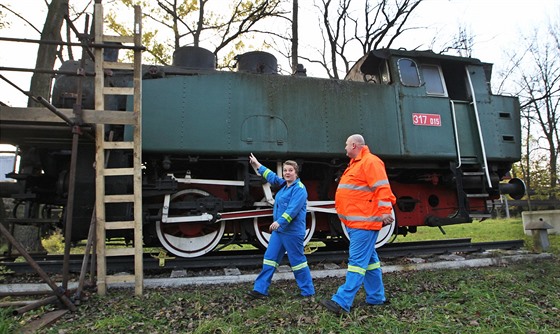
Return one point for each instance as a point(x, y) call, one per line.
point(387, 219)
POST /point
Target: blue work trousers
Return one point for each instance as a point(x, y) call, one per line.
point(278, 245)
point(364, 268)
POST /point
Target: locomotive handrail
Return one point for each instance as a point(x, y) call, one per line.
point(456, 132)
point(486, 172)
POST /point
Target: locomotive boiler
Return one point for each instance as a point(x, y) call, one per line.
point(448, 144)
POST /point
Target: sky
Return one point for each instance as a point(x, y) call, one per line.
point(497, 26)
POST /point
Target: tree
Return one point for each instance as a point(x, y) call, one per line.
point(3, 22)
point(537, 83)
point(46, 54)
point(199, 23)
point(462, 43)
point(371, 25)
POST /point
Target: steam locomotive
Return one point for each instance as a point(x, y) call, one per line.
point(448, 144)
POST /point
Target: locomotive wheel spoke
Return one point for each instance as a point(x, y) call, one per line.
point(189, 239)
point(260, 226)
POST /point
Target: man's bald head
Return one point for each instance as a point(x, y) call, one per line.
point(357, 138)
point(354, 145)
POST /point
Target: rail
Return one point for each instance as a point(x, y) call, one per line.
point(253, 258)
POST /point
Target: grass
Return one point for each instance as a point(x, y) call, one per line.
point(515, 298)
point(482, 231)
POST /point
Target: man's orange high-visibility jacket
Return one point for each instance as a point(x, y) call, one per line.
point(364, 193)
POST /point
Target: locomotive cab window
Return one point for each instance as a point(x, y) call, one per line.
point(433, 79)
point(408, 72)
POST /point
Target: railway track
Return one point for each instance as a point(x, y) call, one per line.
point(153, 265)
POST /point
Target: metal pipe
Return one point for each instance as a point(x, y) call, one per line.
point(33, 70)
point(76, 132)
point(32, 306)
point(94, 45)
point(40, 100)
point(87, 255)
point(25, 293)
point(58, 291)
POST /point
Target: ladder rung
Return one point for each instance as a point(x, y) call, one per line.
point(118, 65)
point(119, 225)
point(118, 171)
point(120, 279)
point(118, 145)
point(121, 39)
point(477, 195)
point(119, 198)
point(118, 90)
point(119, 251)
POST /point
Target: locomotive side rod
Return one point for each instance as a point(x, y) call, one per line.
point(318, 206)
point(312, 206)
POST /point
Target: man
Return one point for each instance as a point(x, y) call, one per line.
point(364, 202)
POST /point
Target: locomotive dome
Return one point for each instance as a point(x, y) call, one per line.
point(260, 62)
point(194, 57)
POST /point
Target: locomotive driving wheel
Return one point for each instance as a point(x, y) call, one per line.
point(384, 234)
point(189, 239)
point(261, 225)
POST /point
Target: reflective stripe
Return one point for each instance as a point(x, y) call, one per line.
point(380, 183)
point(385, 203)
point(270, 263)
point(357, 270)
point(373, 266)
point(287, 217)
point(266, 173)
point(361, 218)
point(354, 187)
point(300, 266)
point(363, 188)
point(300, 184)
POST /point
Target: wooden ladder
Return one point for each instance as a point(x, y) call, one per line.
point(104, 147)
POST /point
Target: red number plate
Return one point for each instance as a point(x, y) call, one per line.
point(426, 119)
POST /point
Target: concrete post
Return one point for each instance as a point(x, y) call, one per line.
point(540, 234)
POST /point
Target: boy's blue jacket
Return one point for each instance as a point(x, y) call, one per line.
point(290, 203)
